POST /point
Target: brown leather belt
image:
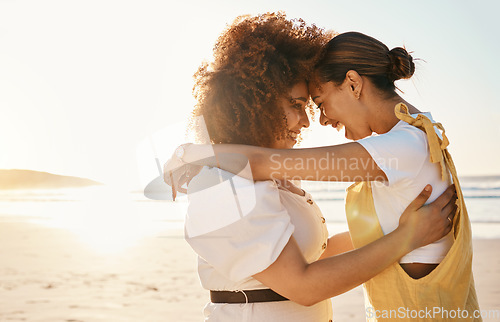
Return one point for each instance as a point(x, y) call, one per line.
point(252, 296)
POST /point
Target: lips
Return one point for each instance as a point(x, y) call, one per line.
point(293, 135)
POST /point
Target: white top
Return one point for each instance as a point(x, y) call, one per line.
point(403, 155)
point(238, 229)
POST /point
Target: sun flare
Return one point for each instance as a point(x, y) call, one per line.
point(106, 220)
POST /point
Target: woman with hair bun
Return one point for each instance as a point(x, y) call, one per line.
point(355, 88)
point(397, 151)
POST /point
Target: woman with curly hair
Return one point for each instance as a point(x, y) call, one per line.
point(263, 247)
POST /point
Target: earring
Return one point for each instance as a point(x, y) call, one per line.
point(357, 95)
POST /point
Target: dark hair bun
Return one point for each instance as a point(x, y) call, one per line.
point(401, 64)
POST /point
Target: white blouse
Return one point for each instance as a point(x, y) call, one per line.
point(238, 228)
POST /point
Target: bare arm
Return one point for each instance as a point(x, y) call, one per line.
point(291, 276)
point(308, 284)
point(344, 162)
point(338, 244)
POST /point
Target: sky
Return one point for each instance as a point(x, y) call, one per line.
point(96, 89)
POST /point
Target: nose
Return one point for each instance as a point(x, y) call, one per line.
point(304, 120)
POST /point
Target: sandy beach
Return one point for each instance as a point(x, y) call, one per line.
point(49, 274)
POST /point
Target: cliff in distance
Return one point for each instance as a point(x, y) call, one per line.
point(29, 179)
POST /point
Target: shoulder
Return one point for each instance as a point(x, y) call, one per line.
point(400, 153)
point(402, 139)
point(404, 133)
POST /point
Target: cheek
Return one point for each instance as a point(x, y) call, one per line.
point(330, 111)
point(292, 118)
point(337, 109)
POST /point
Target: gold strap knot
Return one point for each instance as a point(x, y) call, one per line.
point(436, 144)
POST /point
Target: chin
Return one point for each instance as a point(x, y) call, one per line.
point(353, 137)
point(286, 144)
point(290, 144)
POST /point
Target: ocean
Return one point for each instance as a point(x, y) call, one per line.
point(106, 217)
point(482, 199)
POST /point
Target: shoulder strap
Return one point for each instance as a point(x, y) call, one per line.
point(436, 144)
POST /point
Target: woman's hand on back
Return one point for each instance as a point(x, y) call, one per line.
point(426, 224)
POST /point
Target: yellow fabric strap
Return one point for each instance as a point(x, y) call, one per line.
point(436, 144)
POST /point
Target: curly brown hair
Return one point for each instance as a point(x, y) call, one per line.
point(257, 60)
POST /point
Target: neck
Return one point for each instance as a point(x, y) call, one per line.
point(381, 113)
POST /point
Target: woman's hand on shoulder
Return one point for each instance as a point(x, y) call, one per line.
point(425, 224)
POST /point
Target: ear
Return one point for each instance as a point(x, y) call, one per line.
point(355, 82)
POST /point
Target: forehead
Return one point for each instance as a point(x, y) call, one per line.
point(299, 90)
point(323, 89)
point(315, 87)
point(315, 90)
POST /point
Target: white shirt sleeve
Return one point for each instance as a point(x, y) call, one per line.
point(400, 153)
point(236, 225)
